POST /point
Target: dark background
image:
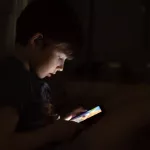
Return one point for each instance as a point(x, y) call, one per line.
point(116, 39)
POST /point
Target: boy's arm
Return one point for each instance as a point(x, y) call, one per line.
point(30, 140)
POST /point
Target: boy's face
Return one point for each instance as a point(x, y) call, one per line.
point(47, 61)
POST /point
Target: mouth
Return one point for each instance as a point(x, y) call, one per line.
point(50, 74)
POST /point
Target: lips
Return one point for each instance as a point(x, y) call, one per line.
point(50, 74)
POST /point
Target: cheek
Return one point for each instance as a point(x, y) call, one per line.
point(44, 65)
point(51, 64)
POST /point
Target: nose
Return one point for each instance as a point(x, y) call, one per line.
point(60, 68)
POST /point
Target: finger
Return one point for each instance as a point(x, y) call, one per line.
point(68, 118)
point(79, 110)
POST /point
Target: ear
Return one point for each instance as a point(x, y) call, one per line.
point(36, 39)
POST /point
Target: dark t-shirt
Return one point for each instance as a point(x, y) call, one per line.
point(27, 93)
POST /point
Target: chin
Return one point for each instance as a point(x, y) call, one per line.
point(41, 76)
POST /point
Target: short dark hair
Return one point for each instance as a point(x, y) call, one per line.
point(53, 18)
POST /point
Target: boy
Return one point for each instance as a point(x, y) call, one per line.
point(46, 32)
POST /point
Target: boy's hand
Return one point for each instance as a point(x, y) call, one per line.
point(75, 112)
point(65, 130)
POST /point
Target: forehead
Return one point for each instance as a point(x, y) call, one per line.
point(60, 54)
point(61, 49)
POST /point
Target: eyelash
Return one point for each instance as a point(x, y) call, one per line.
point(60, 59)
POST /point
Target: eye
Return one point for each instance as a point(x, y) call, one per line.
point(59, 58)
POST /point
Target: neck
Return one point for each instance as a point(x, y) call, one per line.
point(21, 54)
